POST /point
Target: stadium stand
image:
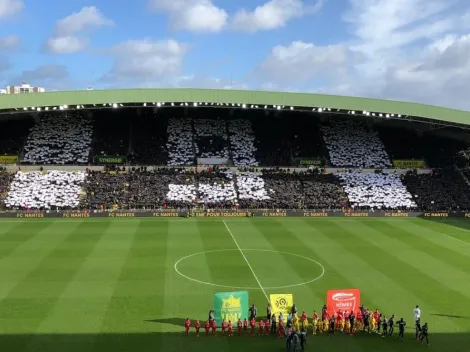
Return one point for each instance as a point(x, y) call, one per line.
point(274, 144)
point(242, 142)
point(148, 140)
point(180, 142)
point(13, 134)
point(211, 138)
point(59, 139)
point(162, 188)
point(273, 189)
point(402, 143)
point(377, 191)
point(112, 133)
point(217, 189)
point(428, 192)
point(5, 180)
point(45, 191)
point(352, 144)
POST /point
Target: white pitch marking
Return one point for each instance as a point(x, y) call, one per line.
point(246, 260)
point(244, 287)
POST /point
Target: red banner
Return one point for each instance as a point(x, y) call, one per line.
point(344, 300)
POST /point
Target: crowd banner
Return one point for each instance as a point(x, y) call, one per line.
point(172, 213)
point(281, 303)
point(212, 161)
point(8, 159)
point(344, 300)
point(230, 306)
point(308, 162)
point(408, 164)
point(109, 160)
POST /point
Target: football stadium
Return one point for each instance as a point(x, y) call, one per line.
point(125, 212)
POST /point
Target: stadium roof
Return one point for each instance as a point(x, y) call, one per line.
point(342, 104)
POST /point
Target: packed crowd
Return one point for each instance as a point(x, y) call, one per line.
point(59, 139)
point(51, 190)
point(353, 144)
point(5, 180)
point(443, 190)
point(376, 191)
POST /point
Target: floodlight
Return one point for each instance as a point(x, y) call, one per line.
point(244, 106)
point(292, 108)
point(25, 109)
point(145, 104)
point(115, 105)
point(399, 115)
point(159, 104)
point(387, 116)
point(66, 106)
point(320, 109)
point(279, 107)
point(265, 106)
point(195, 104)
point(172, 104)
point(47, 108)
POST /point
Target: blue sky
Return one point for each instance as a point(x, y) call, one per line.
point(415, 50)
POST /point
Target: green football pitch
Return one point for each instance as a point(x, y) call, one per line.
point(111, 284)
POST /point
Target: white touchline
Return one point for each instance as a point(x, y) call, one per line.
point(246, 260)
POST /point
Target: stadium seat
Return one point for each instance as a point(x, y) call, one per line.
point(180, 142)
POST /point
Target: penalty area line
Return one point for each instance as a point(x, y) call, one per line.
point(246, 260)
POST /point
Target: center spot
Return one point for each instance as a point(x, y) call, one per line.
point(227, 268)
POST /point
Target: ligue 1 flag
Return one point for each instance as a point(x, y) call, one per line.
point(344, 300)
point(281, 303)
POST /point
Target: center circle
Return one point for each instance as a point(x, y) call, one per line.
point(245, 287)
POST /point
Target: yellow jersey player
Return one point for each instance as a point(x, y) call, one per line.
point(315, 322)
point(325, 325)
point(347, 326)
point(305, 325)
point(342, 324)
point(296, 323)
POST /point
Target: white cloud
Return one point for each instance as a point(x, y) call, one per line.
point(299, 62)
point(192, 15)
point(146, 60)
point(69, 31)
point(9, 42)
point(273, 14)
point(66, 45)
point(10, 7)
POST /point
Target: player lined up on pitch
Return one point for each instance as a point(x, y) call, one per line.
point(295, 328)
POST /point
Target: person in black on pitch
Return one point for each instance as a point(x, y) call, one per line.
point(332, 325)
point(424, 334)
point(401, 328)
point(253, 312)
point(384, 326)
point(391, 323)
point(352, 320)
point(418, 327)
point(268, 311)
point(366, 323)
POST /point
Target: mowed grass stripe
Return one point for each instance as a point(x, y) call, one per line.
point(444, 258)
point(435, 296)
point(288, 269)
point(417, 256)
point(226, 267)
point(30, 302)
point(38, 244)
point(82, 304)
point(436, 235)
point(18, 234)
point(139, 297)
point(195, 299)
point(459, 230)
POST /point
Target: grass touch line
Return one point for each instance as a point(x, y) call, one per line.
point(246, 260)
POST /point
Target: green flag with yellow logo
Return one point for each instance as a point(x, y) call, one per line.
point(230, 306)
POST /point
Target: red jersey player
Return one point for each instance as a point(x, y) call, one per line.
point(261, 327)
point(187, 325)
point(252, 326)
point(268, 326)
point(245, 326)
point(303, 317)
point(376, 315)
point(230, 328)
point(197, 326)
point(339, 316)
point(239, 326)
point(214, 327)
point(224, 326)
point(359, 317)
point(280, 329)
point(207, 326)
